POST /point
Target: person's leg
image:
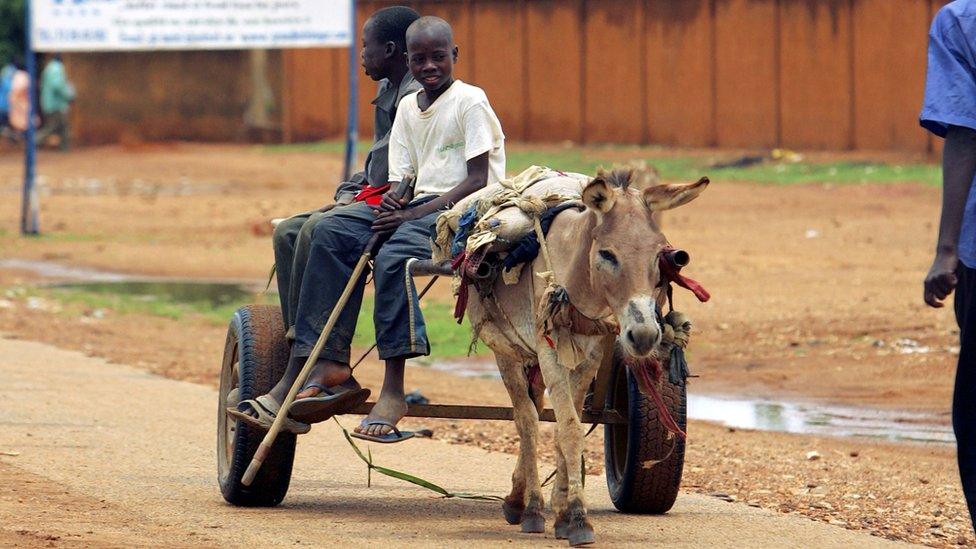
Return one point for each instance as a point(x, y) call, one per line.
point(400, 329)
point(336, 247)
point(302, 245)
point(964, 395)
point(45, 130)
point(283, 241)
point(63, 131)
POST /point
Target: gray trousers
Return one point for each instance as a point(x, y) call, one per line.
point(336, 246)
point(55, 123)
point(291, 241)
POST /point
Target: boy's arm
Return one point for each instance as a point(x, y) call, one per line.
point(477, 178)
point(949, 110)
point(958, 170)
point(348, 190)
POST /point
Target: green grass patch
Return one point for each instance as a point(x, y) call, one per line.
point(685, 167)
point(448, 339)
point(216, 303)
point(332, 146)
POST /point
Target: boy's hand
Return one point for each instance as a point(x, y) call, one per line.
point(388, 221)
point(941, 280)
point(389, 204)
point(327, 207)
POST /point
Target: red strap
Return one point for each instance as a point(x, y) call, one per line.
point(372, 195)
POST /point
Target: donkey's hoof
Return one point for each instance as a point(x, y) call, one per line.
point(581, 536)
point(533, 523)
point(562, 529)
point(513, 513)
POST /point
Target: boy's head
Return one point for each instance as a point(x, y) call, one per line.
point(431, 52)
point(384, 40)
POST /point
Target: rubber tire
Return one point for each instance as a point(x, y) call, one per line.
point(257, 333)
point(634, 489)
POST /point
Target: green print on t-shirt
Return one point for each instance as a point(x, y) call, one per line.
point(450, 146)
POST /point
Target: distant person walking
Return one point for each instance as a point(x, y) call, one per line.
point(6, 80)
point(18, 99)
point(57, 93)
point(949, 111)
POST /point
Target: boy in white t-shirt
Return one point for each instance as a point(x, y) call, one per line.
point(448, 137)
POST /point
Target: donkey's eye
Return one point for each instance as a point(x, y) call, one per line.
point(608, 256)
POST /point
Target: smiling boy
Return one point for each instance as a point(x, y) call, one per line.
point(383, 57)
point(448, 138)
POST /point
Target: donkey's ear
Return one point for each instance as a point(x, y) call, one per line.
point(665, 197)
point(598, 196)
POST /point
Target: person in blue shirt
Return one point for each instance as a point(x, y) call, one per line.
point(949, 111)
point(6, 82)
point(57, 93)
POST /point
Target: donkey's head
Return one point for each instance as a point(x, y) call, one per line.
point(623, 255)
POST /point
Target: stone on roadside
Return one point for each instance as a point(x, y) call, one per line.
point(813, 455)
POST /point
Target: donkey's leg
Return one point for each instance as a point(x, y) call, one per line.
point(560, 488)
point(569, 438)
point(525, 502)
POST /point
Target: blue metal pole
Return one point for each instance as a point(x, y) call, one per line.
point(352, 124)
point(29, 223)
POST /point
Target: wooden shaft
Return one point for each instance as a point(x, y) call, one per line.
point(272, 434)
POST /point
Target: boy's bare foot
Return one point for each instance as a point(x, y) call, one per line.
point(325, 372)
point(391, 407)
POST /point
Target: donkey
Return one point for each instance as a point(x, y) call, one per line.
point(605, 256)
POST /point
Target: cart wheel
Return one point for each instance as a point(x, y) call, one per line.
point(255, 356)
point(634, 488)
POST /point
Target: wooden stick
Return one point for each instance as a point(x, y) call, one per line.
point(269, 438)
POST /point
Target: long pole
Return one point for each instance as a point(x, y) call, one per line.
point(352, 124)
point(29, 223)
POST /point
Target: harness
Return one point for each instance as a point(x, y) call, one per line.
point(558, 320)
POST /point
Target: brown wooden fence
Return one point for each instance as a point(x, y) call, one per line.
point(808, 74)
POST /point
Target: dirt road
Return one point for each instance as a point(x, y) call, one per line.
point(108, 455)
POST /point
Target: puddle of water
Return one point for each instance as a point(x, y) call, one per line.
point(467, 367)
point(214, 294)
point(780, 416)
point(49, 269)
point(820, 419)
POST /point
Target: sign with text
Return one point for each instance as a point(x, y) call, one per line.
point(119, 25)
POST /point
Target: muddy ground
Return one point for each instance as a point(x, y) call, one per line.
point(816, 291)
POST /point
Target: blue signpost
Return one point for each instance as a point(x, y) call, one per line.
point(29, 222)
point(352, 124)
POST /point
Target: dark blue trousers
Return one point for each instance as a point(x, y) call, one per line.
point(337, 243)
point(964, 395)
point(291, 241)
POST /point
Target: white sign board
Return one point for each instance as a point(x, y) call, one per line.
point(116, 25)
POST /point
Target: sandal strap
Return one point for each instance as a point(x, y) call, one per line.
point(383, 422)
point(322, 388)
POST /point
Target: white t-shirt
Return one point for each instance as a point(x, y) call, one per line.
point(435, 145)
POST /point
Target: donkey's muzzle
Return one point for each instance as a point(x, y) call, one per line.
point(642, 339)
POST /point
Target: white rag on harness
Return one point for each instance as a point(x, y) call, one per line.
point(502, 213)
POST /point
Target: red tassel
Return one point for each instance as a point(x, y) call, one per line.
point(648, 386)
point(552, 344)
point(462, 301)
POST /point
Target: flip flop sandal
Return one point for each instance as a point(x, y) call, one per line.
point(266, 409)
point(329, 402)
point(395, 435)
